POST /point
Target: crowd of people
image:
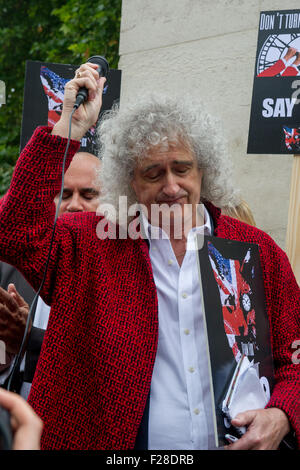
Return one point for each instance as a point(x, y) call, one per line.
point(113, 365)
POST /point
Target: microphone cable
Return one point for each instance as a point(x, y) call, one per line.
point(11, 382)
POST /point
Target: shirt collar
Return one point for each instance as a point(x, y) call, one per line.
point(152, 232)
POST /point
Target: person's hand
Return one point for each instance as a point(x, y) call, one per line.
point(87, 113)
point(297, 60)
point(290, 53)
point(13, 316)
point(265, 429)
point(26, 425)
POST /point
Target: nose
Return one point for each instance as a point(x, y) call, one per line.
point(74, 204)
point(171, 188)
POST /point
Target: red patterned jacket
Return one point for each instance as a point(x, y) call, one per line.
point(94, 372)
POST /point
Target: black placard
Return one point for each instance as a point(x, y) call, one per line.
point(43, 98)
point(235, 316)
point(275, 111)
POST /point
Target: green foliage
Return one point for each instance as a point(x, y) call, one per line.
point(62, 31)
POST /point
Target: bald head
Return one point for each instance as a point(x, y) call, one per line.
point(81, 193)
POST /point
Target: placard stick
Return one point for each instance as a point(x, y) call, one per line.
point(293, 227)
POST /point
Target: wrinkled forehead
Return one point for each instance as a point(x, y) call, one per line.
point(165, 151)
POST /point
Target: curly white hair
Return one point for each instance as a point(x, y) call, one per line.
point(128, 133)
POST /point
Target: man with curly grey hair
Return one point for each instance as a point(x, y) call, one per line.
point(156, 124)
point(123, 363)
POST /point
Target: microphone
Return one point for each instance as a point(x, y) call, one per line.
point(103, 69)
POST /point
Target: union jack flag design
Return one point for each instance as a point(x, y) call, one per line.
point(236, 300)
point(53, 86)
point(292, 138)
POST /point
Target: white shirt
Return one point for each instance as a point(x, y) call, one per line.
point(41, 316)
point(180, 411)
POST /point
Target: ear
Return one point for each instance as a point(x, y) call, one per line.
point(200, 173)
point(133, 184)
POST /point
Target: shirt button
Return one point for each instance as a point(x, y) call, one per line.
point(170, 262)
point(186, 331)
point(184, 295)
point(196, 411)
point(191, 369)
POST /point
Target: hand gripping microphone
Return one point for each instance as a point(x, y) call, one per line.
point(103, 69)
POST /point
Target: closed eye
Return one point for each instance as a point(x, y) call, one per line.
point(66, 194)
point(153, 174)
point(89, 194)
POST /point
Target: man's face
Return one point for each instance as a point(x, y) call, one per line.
point(80, 191)
point(168, 177)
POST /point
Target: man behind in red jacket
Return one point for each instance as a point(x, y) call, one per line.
point(125, 332)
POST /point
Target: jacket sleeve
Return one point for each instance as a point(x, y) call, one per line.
point(283, 301)
point(27, 210)
point(273, 70)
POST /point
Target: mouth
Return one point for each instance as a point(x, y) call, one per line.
point(170, 202)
